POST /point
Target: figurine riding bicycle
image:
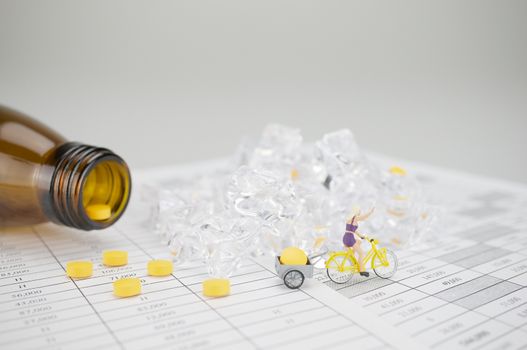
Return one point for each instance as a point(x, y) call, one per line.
point(342, 265)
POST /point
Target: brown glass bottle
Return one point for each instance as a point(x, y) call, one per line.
point(43, 177)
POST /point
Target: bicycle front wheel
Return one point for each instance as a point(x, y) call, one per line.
point(340, 269)
point(384, 264)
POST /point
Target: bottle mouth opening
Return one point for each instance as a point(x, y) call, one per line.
point(105, 191)
point(90, 188)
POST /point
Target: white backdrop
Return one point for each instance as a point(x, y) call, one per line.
point(162, 82)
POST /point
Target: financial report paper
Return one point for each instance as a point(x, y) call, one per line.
point(467, 288)
point(41, 308)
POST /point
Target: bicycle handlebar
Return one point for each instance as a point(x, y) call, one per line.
point(369, 239)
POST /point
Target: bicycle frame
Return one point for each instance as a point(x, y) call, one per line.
point(350, 256)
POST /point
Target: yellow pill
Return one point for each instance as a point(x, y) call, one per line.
point(99, 212)
point(115, 257)
point(127, 287)
point(159, 267)
point(79, 269)
point(397, 170)
point(216, 287)
point(293, 256)
point(294, 174)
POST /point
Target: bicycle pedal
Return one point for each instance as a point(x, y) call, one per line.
point(365, 274)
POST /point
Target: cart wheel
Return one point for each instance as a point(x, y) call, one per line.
point(293, 279)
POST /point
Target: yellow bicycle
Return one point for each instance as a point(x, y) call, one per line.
point(342, 265)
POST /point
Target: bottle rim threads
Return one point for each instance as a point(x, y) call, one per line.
point(75, 164)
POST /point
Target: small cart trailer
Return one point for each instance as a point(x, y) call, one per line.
point(294, 275)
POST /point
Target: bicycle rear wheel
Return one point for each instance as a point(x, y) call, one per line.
point(385, 264)
point(340, 268)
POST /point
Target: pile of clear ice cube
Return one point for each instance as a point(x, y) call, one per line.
point(282, 192)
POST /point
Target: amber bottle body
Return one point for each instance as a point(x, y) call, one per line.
point(43, 177)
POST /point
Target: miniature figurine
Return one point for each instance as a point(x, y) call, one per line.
point(350, 237)
point(342, 265)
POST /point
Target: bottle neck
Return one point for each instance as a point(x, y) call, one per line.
point(87, 177)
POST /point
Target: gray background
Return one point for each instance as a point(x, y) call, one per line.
point(162, 82)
